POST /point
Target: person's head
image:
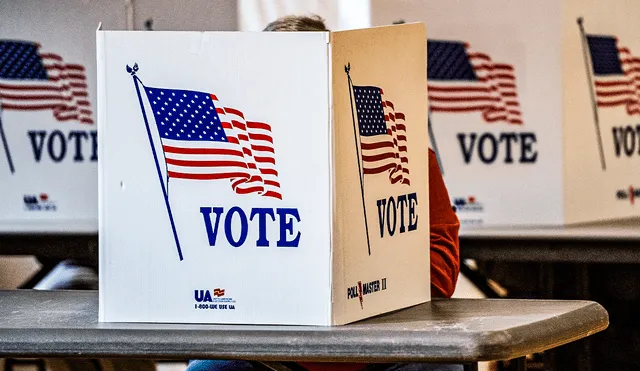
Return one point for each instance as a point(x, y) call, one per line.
point(297, 23)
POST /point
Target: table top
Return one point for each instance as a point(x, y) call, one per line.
point(65, 324)
point(624, 230)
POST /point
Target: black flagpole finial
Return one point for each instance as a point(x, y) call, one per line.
point(347, 68)
point(132, 70)
point(580, 20)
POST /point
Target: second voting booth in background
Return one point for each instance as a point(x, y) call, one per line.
point(276, 178)
point(533, 106)
point(48, 134)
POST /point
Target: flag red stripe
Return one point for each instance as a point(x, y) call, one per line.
point(179, 175)
point(269, 160)
point(67, 76)
point(370, 146)
point(247, 180)
point(616, 102)
point(611, 83)
point(492, 67)
point(172, 161)
point(246, 191)
point(460, 109)
point(31, 87)
point(35, 107)
point(59, 67)
point(606, 93)
point(258, 125)
point(273, 194)
point(269, 172)
point(239, 125)
point(477, 98)
point(457, 89)
point(378, 157)
point(201, 151)
point(76, 67)
point(378, 170)
point(35, 97)
point(262, 148)
point(260, 137)
point(51, 56)
point(234, 111)
point(479, 56)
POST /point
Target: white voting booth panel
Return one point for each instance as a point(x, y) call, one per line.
point(48, 146)
point(264, 178)
point(533, 116)
point(48, 134)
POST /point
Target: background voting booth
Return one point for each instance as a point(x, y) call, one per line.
point(536, 124)
point(313, 214)
point(48, 134)
point(48, 156)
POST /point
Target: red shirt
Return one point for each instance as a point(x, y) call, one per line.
point(445, 250)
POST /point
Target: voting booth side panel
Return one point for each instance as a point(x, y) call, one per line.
point(495, 96)
point(48, 135)
point(381, 214)
point(602, 110)
point(215, 180)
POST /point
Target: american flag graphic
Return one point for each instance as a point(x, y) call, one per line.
point(462, 80)
point(31, 81)
point(383, 135)
point(616, 72)
point(203, 140)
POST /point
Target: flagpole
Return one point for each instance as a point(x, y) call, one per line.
point(594, 104)
point(5, 144)
point(435, 145)
point(347, 70)
point(136, 80)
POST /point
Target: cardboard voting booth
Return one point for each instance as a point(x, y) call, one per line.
point(48, 135)
point(48, 131)
point(262, 178)
point(533, 106)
